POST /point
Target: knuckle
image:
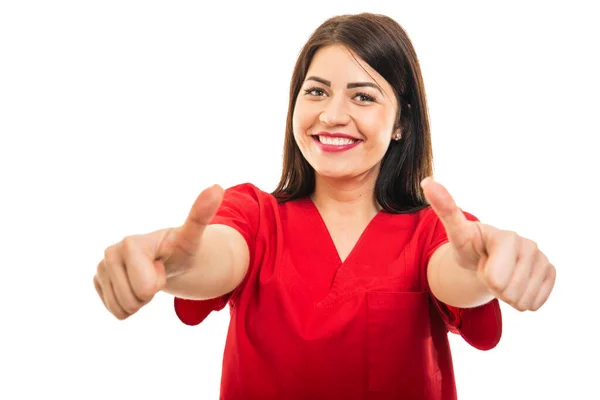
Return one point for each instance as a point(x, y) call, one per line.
point(97, 283)
point(111, 257)
point(491, 280)
point(552, 273)
point(519, 281)
point(495, 286)
point(530, 246)
point(99, 290)
point(111, 307)
point(128, 243)
point(517, 304)
point(109, 252)
point(131, 306)
point(542, 267)
point(545, 260)
point(145, 293)
point(512, 237)
point(521, 306)
point(101, 269)
point(117, 310)
point(120, 315)
point(509, 299)
point(133, 241)
point(126, 303)
point(512, 299)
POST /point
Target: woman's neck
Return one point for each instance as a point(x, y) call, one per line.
point(355, 197)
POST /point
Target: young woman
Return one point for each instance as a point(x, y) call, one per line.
point(345, 281)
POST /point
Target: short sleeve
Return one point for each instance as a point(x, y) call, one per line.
point(481, 326)
point(240, 211)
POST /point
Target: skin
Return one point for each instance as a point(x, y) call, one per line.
point(345, 181)
point(365, 113)
point(201, 261)
point(481, 262)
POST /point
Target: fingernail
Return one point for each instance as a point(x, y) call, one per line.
point(215, 189)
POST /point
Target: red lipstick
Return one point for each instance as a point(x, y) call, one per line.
point(332, 148)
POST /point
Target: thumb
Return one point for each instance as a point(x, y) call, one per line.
point(204, 209)
point(458, 228)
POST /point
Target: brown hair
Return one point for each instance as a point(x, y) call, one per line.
point(383, 44)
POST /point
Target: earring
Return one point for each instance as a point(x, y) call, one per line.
point(397, 136)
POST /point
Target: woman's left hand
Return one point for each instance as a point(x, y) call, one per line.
point(511, 266)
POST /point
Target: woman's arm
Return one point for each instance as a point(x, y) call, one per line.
point(218, 268)
point(453, 284)
point(481, 261)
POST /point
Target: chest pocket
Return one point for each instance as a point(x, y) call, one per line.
point(399, 345)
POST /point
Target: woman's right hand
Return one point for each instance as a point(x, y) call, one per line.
point(136, 268)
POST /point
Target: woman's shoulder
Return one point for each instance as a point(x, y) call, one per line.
point(243, 187)
point(252, 189)
point(248, 194)
point(417, 222)
point(425, 218)
point(247, 188)
point(416, 215)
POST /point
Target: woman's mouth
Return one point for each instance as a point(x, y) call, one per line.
point(335, 143)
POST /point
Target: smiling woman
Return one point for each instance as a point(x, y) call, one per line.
point(350, 100)
point(373, 81)
point(346, 280)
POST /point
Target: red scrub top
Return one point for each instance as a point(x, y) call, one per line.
point(304, 325)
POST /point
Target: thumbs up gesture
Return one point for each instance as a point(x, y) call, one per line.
point(137, 267)
point(512, 267)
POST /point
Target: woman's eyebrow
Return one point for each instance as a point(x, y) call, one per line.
point(351, 85)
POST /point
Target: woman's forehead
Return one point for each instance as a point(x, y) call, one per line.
point(339, 64)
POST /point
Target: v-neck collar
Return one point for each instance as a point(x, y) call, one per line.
point(323, 235)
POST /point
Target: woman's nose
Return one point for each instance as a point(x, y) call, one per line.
point(335, 113)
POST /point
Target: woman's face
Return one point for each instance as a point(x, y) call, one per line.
point(344, 116)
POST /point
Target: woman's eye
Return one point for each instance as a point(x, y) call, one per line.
point(318, 92)
point(314, 91)
point(364, 98)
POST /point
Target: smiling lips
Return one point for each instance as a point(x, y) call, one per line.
point(335, 142)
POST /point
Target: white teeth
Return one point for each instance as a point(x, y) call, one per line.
point(336, 141)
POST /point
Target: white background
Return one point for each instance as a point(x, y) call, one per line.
point(114, 115)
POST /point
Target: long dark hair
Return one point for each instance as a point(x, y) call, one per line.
point(383, 44)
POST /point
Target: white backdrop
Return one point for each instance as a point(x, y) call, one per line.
point(114, 115)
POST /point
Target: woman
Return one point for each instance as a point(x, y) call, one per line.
point(345, 281)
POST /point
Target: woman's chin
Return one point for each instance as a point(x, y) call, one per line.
point(335, 174)
point(345, 173)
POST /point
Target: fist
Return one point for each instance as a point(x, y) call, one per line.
point(512, 267)
point(136, 268)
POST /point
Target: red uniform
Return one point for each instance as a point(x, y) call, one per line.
point(304, 325)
